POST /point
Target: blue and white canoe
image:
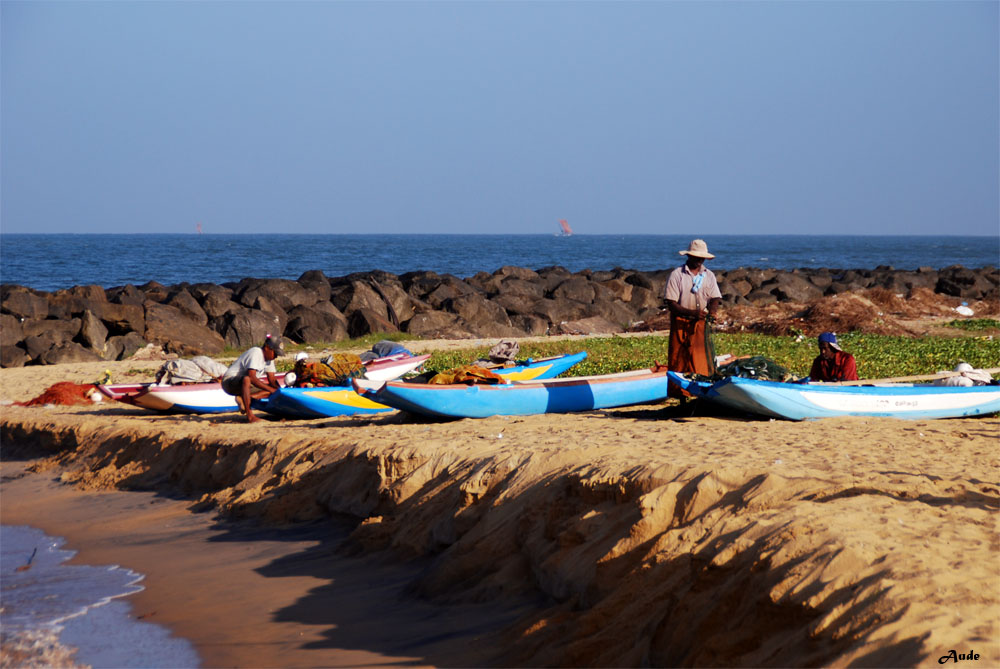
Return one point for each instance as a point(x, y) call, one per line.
point(325, 402)
point(520, 398)
point(801, 401)
point(211, 398)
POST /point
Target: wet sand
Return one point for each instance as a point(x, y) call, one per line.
point(253, 596)
point(642, 535)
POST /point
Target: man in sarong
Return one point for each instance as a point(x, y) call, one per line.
point(693, 297)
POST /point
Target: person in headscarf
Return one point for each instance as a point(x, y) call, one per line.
point(692, 296)
point(242, 378)
point(833, 363)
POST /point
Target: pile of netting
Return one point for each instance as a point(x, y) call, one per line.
point(66, 393)
point(754, 367)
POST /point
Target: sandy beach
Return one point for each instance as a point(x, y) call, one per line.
point(638, 536)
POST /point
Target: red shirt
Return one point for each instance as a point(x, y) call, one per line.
point(839, 368)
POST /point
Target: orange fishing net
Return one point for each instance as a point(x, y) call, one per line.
point(337, 370)
point(64, 392)
point(468, 374)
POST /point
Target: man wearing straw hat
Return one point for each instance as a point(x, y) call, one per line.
point(693, 297)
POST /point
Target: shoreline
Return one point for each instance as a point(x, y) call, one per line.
point(644, 535)
point(264, 596)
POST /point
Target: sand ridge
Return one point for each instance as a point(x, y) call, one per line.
point(649, 536)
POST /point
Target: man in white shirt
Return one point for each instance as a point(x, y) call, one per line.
point(692, 295)
point(242, 378)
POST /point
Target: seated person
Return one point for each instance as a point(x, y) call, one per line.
point(833, 363)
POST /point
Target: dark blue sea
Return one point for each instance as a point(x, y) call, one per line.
point(51, 262)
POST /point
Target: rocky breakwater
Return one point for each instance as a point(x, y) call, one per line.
point(89, 323)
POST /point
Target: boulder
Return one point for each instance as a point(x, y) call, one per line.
point(587, 326)
point(247, 327)
point(93, 334)
point(268, 306)
point(283, 292)
point(354, 295)
point(362, 322)
point(515, 286)
point(644, 298)
point(168, 327)
point(760, 297)
point(127, 294)
point(189, 306)
point(217, 304)
point(514, 272)
point(121, 347)
point(420, 284)
point(68, 352)
point(621, 289)
point(575, 288)
point(530, 324)
point(399, 305)
point(613, 311)
point(486, 283)
point(38, 345)
point(155, 291)
point(557, 311)
point(550, 277)
point(789, 287)
point(120, 318)
point(13, 356)
point(307, 325)
point(438, 325)
point(23, 303)
point(316, 283)
point(478, 312)
point(11, 332)
point(67, 329)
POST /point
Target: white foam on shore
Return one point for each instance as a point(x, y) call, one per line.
point(52, 611)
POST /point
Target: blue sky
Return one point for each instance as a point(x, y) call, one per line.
point(486, 117)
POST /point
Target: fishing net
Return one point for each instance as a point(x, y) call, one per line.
point(754, 367)
point(467, 374)
point(334, 370)
point(65, 393)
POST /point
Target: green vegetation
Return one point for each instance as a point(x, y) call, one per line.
point(974, 324)
point(878, 356)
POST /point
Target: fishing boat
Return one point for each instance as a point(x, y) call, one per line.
point(801, 401)
point(329, 401)
point(211, 398)
point(564, 229)
point(520, 398)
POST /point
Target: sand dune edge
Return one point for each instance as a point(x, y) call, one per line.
point(661, 542)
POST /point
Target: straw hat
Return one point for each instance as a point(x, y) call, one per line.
point(698, 249)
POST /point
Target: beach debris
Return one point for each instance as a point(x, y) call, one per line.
point(27, 565)
point(65, 393)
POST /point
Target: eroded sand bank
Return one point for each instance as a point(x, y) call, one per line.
point(648, 536)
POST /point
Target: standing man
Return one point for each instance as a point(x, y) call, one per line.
point(833, 363)
point(242, 379)
point(692, 295)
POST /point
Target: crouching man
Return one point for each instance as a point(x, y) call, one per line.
point(242, 379)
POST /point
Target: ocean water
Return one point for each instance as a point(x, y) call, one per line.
point(51, 609)
point(53, 262)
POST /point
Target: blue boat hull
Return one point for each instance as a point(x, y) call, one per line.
point(795, 401)
point(326, 402)
point(523, 398)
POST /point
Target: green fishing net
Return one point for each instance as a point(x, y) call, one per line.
point(754, 367)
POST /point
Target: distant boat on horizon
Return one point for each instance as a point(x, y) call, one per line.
point(565, 230)
point(198, 228)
